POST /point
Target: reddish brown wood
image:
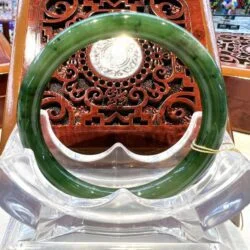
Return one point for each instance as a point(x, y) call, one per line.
point(149, 139)
point(3, 84)
point(4, 69)
point(6, 30)
point(160, 96)
point(4, 55)
point(238, 90)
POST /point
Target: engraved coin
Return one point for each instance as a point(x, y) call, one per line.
point(116, 58)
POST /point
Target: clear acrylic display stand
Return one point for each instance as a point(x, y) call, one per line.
point(46, 218)
point(225, 236)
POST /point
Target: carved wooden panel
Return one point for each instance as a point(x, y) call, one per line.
point(159, 96)
point(234, 50)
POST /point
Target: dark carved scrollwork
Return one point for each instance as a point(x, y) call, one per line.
point(61, 14)
point(234, 49)
point(153, 91)
point(160, 91)
point(174, 10)
point(59, 11)
point(59, 110)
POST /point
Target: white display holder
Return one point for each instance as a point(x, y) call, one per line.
point(51, 219)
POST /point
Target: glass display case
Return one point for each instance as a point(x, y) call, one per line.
point(231, 16)
point(230, 7)
point(8, 10)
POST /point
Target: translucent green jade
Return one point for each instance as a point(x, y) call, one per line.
point(78, 36)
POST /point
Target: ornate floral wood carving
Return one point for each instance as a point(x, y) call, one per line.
point(234, 49)
point(159, 93)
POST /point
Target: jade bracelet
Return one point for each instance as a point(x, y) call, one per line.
point(78, 36)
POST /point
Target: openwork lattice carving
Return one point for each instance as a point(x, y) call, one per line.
point(59, 15)
point(160, 92)
point(234, 49)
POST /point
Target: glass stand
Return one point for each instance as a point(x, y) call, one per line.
point(225, 236)
point(46, 218)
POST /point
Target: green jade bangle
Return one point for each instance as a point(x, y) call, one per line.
point(165, 33)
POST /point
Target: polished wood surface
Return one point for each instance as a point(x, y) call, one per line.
point(16, 71)
point(39, 21)
point(5, 51)
point(6, 32)
point(238, 90)
point(3, 85)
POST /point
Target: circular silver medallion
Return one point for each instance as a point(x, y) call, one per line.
point(246, 49)
point(116, 58)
